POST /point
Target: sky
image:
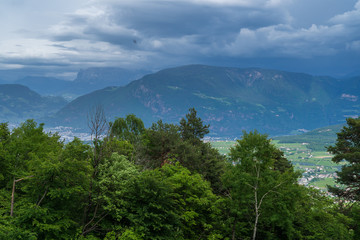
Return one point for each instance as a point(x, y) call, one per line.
point(60, 37)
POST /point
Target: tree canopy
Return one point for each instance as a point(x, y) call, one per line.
point(254, 181)
point(347, 148)
point(192, 128)
point(164, 182)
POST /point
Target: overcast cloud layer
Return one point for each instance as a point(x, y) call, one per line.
point(62, 36)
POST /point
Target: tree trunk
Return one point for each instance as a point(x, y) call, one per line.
point(233, 230)
point(255, 224)
point(256, 214)
point(13, 194)
point(12, 199)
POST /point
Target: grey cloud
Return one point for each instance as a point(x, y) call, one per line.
point(285, 41)
point(34, 62)
point(349, 18)
point(178, 19)
point(121, 24)
point(160, 33)
point(305, 13)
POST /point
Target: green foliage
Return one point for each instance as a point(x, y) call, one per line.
point(9, 230)
point(194, 201)
point(207, 161)
point(147, 207)
point(259, 183)
point(163, 186)
point(281, 163)
point(158, 144)
point(130, 234)
point(57, 190)
point(29, 142)
point(128, 129)
point(354, 214)
point(162, 143)
point(52, 182)
point(263, 183)
point(169, 203)
point(347, 148)
point(115, 174)
point(4, 158)
point(192, 128)
point(114, 145)
point(317, 217)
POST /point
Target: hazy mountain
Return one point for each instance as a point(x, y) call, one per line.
point(18, 103)
point(12, 75)
point(45, 85)
point(92, 79)
point(87, 81)
point(352, 85)
point(230, 99)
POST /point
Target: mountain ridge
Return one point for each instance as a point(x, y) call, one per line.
point(18, 103)
point(229, 99)
point(86, 81)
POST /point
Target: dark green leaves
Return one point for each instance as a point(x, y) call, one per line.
point(347, 148)
point(192, 128)
point(129, 129)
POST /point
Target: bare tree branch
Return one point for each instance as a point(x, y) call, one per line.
point(97, 121)
point(42, 198)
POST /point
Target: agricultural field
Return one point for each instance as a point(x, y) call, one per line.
point(315, 165)
point(223, 146)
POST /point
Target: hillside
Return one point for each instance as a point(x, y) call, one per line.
point(229, 99)
point(317, 139)
point(18, 103)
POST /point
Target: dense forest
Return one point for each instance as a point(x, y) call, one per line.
point(164, 182)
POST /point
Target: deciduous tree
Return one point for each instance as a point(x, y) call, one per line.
point(129, 128)
point(253, 181)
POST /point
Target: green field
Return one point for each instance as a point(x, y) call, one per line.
point(317, 168)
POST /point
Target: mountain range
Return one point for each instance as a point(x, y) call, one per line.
point(229, 99)
point(18, 103)
point(86, 81)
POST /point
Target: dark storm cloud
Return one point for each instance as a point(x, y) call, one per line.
point(175, 19)
point(34, 62)
point(159, 21)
